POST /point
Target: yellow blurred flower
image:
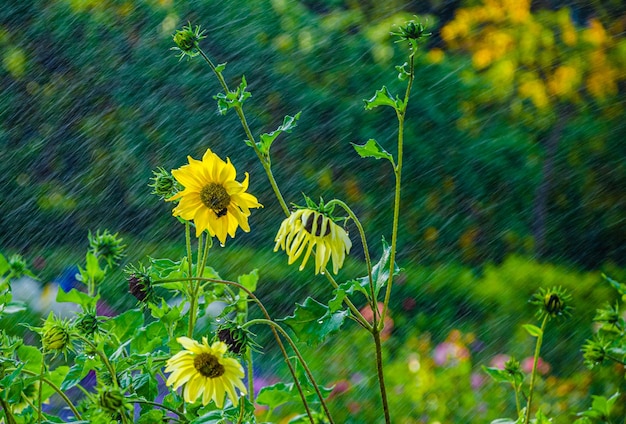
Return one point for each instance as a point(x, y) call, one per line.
point(212, 198)
point(435, 55)
point(481, 59)
point(307, 228)
point(205, 372)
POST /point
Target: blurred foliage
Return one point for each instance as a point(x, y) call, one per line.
point(93, 102)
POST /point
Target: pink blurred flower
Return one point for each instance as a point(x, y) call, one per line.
point(543, 367)
point(499, 360)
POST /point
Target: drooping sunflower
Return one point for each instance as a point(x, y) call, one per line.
point(308, 228)
point(212, 198)
point(205, 372)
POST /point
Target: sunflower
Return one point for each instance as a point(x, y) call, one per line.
point(212, 198)
point(306, 228)
point(205, 372)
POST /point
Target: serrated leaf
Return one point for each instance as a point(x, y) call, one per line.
point(289, 123)
point(220, 67)
point(533, 330)
point(313, 322)
point(124, 325)
point(380, 271)
point(275, 395)
point(77, 297)
point(371, 149)
point(31, 356)
point(148, 338)
point(382, 98)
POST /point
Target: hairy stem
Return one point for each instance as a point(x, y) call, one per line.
point(58, 391)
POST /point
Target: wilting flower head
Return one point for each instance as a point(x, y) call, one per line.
point(187, 39)
point(212, 198)
point(205, 372)
point(553, 302)
point(106, 246)
point(307, 228)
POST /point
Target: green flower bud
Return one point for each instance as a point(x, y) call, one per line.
point(55, 338)
point(88, 324)
point(112, 401)
point(17, 266)
point(106, 246)
point(164, 184)
point(594, 352)
point(553, 302)
point(187, 39)
point(139, 284)
point(413, 32)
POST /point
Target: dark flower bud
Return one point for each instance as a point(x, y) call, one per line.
point(139, 286)
point(553, 302)
point(88, 324)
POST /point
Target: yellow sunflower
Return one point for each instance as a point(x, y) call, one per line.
point(306, 228)
point(205, 372)
point(212, 198)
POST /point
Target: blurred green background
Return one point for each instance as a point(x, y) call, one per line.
point(514, 175)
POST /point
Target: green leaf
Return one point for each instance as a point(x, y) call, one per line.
point(226, 101)
point(4, 265)
point(276, 395)
point(621, 288)
point(380, 271)
point(372, 149)
point(145, 385)
point(124, 325)
point(249, 281)
point(313, 322)
point(220, 67)
point(533, 330)
point(149, 338)
point(78, 297)
point(12, 307)
point(289, 123)
point(382, 98)
point(31, 356)
point(498, 375)
point(152, 416)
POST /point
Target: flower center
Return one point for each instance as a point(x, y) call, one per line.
point(215, 197)
point(208, 365)
point(319, 220)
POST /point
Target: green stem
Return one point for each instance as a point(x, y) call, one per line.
point(398, 174)
point(147, 402)
point(380, 374)
point(7, 414)
point(250, 375)
point(58, 391)
point(194, 285)
point(534, 371)
point(265, 160)
point(518, 406)
point(300, 358)
point(366, 252)
point(266, 314)
point(40, 394)
point(207, 246)
point(104, 358)
point(357, 314)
